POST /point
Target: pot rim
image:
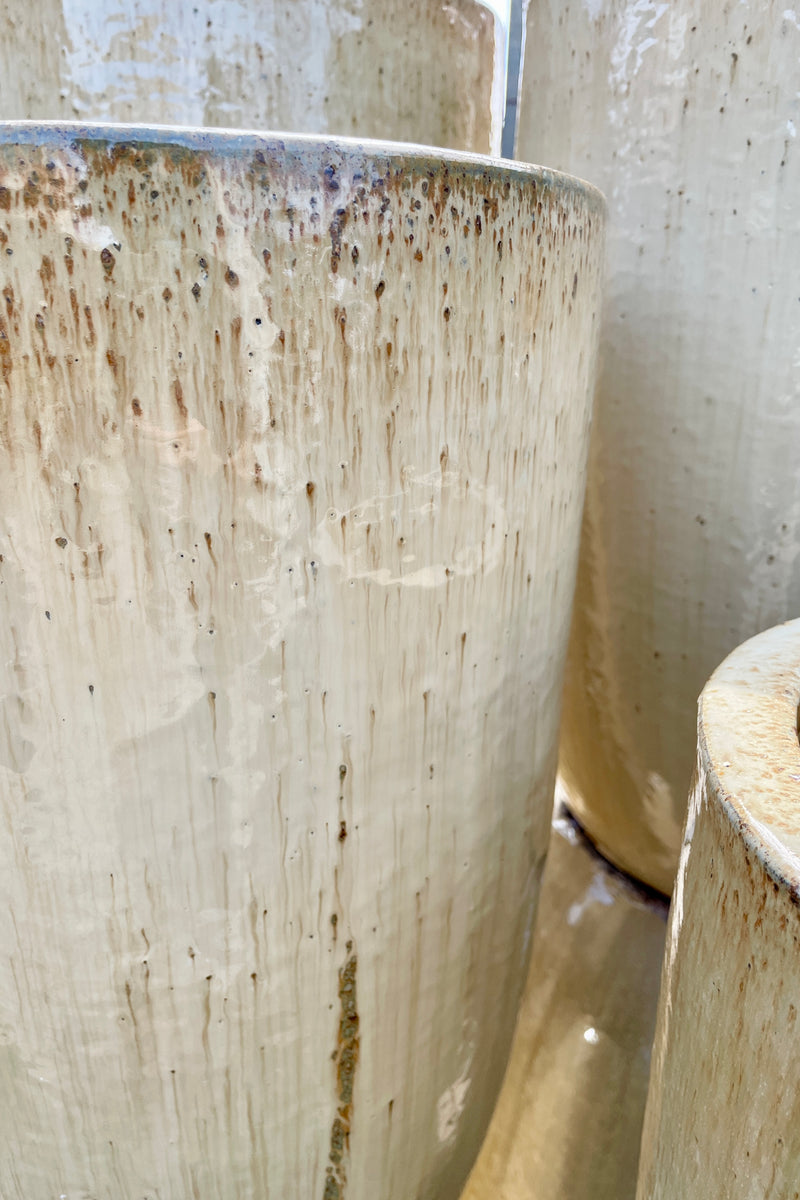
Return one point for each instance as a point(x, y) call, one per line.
point(228, 143)
point(749, 748)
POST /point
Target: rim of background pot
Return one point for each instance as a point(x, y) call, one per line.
point(303, 151)
point(749, 748)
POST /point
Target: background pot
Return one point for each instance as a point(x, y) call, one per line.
point(723, 1117)
point(568, 1120)
point(686, 116)
point(424, 71)
point(292, 460)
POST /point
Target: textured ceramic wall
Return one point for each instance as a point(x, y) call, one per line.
point(292, 453)
point(429, 71)
point(723, 1112)
point(686, 115)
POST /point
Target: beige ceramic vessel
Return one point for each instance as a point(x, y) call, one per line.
point(687, 116)
point(723, 1111)
point(292, 452)
point(429, 71)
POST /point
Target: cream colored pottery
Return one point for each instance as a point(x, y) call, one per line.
point(723, 1109)
point(569, 1116)
point(430, 71)
point(686, 114)
point(292, 453)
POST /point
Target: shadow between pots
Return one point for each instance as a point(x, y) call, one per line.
point(568, 1121)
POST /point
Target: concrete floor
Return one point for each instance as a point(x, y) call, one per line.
point(568, 1120)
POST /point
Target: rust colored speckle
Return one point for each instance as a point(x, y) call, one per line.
point(5, 354)
point(179, 399)
point(231, 278)
point(61, 542)
point(108, 261)
point(332, 1191)
point(47, 271)
point(335, 230)
point(346, 1057)
point(136, 406)
point(31, 193)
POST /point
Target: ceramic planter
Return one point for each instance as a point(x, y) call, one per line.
point(686, 115)
point(429, 71)
point(292, 452)
point(723, 1115)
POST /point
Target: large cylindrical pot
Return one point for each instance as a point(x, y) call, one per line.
point(687, 116)
point(429, 71)
point(291, 455)
point(723, 1110)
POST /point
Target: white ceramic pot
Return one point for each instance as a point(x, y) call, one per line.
point(723, 1114)
point(686, 115)
point(429, 71)
point(291, 456)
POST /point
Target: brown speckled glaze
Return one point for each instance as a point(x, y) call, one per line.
point(292, 446)
point(428, 71)
point(723, 1111)
point(686, 114)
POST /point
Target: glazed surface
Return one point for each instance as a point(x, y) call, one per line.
point(686, 116)
point(722, 1113)
point(292, 448)
point(425, 71)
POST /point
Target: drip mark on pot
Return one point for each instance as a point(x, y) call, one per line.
point(346, 1058)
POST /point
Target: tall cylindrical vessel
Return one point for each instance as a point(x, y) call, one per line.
point(687, 117)
point(723, 1114)
point(429, 71)
point(292, 453)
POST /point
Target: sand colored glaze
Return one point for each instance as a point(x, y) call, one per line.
point(686, 115)
point(428, 71)
point(723, 1114)
point(568, 1119)
point(292, 453)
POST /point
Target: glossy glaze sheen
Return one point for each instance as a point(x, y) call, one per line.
point(568, 1119)
point(686, 116)
point(428, 71)
point(723, 1114)
point(293, 440)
